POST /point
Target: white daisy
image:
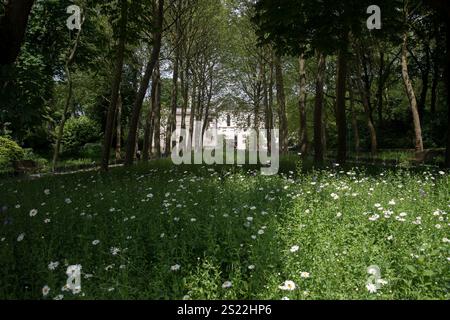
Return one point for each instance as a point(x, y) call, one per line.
point(53, 265)
point(288, 285)
point(45, 290)
point(304, 274)
point(372, 288)
point(175, 267)
point(20, 237)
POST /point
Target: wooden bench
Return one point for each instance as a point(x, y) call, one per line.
point(24, 166)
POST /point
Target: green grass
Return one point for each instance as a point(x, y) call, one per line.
point(198, 217)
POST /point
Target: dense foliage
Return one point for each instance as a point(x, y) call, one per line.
point(9, 151)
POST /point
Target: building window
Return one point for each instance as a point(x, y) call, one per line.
point(228, 120)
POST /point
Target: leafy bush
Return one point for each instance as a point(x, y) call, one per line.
point(77, 133)
point(91, 151)
point(9, 151)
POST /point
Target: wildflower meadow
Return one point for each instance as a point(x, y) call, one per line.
point(160, 231)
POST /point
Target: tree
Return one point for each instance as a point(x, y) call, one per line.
point(157, 36)
point(444, 8)
point(341, 120)
point(318, 110)
point(13, 24)
point(362, 89)
point(410, 90)
point(281, 98)
point(303, 132)
point(65, 116)
point(299, 27)
point(117, 79)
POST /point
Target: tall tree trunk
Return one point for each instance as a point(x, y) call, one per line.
point(193, 111)
point(151, 134)
point(362, 89)
point(281, 99)
point(185, 88)
point(411, 96)
point(303, 133)
point(119, 129)
point(13, 26)
point(270, 113)
point(354, 121)
point(259, 98)
point(117, 79)
point(341, 120)
point(148, 131)
point(172, 123)
point(65, 116)
point(157, 124)
point(267, 111)
point(318, 110)
point(136, 113)
point(208, 103)
point(324, 132)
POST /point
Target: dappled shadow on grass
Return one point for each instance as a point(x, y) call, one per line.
point(156, 218)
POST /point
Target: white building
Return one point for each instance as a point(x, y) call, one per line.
point(228, 123)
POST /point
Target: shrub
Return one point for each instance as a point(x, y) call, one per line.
point(77, 133)
point(91, 151)
point(9, 151)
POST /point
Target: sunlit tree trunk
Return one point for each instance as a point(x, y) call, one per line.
point(150, 119)
point(151, 134)
point(411, 96)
